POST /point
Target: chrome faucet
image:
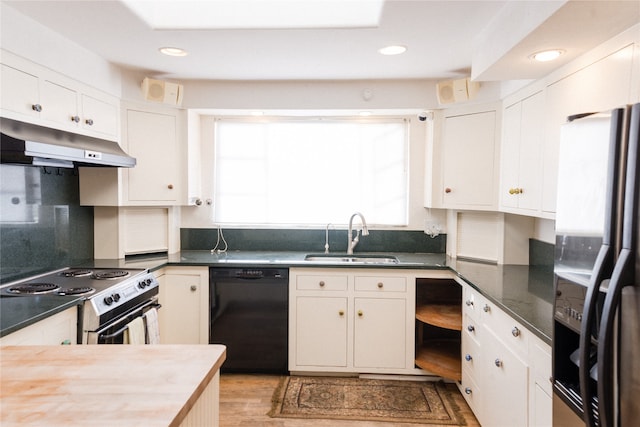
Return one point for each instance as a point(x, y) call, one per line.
point(326, 239)
point(354, 241)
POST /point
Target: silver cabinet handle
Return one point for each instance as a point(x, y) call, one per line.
point(89, 122)
point(469, 303)
point(36, 107)
point(468, 390)
point(194, 288)
point(486, 308)
point(468, 357)
point(498, 362)
point(471, 328)
point(75, 119)
point(515, 332)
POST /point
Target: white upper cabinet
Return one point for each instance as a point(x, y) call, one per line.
point(34, 94)
point(155, 136)
point(521, 156)
point(466, 176)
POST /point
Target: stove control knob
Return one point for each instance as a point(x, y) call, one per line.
point(142, 284)
point(148, 281)
point(108, 300)
point(116, 297)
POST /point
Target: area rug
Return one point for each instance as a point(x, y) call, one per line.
point(424, 402)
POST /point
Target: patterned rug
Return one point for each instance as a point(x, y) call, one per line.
point(340, 398)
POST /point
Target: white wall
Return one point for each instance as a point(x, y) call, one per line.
point(30, 39)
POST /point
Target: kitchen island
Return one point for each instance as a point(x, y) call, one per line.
point(109, 385)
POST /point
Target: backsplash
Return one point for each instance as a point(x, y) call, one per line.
point(42, 225)
point(311, 240)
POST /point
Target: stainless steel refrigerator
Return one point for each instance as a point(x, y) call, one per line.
point(596, 342)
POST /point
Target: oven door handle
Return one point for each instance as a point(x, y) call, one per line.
point(127, 318)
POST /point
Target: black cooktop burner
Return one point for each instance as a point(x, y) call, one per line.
point(33, 288)
point(76, 291)
point(77, 272)
point(110, 274)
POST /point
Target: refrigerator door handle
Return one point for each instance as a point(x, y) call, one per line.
point(606, 337)
point(602, 264)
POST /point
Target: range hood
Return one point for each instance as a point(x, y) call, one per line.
point(25, 143)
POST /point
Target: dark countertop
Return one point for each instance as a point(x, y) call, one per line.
point(17, 312)
point(525, 292)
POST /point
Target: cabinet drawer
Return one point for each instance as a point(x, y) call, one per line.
point(384, 284)
point(470, 350)
point(321, 282)
point(470, 328)
point(472, 303)
point(471, 392)
point(506, 329)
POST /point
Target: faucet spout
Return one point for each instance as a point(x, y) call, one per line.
point(352, 242)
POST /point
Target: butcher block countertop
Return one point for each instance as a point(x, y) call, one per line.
point(104, 385)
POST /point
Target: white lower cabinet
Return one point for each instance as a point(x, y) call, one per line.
point(505, 368)
point(61, 328)
point(350, 320)
point(184, 297)
point(321, 331)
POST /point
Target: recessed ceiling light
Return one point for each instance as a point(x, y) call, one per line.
point(173, 51)
point(547, 55)
point(393, 50)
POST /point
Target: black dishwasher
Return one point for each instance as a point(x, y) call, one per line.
point(249, 314)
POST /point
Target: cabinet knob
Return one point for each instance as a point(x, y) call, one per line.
point(341, 313)
point(469, 303)
point(321, 283)
point(360, 314)
point(447, 190)
point(36, 107)
point(170, 186)
point(380, 285)
point(498, 363)
point(198, 202)
point(468, 390)
point(471, 328)
point(515, 332)
point(194, 288)
point(75, 119)
point(89, 122)
point(468, 357)
point(515, 191)
point(486, 308)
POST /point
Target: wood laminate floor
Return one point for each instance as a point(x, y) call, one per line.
point(245, 400)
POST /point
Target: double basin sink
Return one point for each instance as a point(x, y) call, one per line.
point(351, 259)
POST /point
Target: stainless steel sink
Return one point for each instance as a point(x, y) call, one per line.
point(351, 259)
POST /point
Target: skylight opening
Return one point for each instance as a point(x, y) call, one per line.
point(257, 14)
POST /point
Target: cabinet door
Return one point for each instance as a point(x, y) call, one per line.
point(469, 164)
point(379, 333)
point(20, 92)
point(152, 140)
point(99, 116)
point(181, 317)
point(321, 331)
point(510, 155)
point(505, 385)
point(530, 160)
point(59, 104)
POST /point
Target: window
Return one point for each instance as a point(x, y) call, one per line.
point(304, 171)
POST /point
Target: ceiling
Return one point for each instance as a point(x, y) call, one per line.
point(490, 40)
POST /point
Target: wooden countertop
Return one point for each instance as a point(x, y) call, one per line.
point(103, 385)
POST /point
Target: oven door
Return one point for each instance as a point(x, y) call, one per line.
point(114, 331)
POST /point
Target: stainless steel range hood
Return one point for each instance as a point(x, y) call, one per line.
point(25, 143)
